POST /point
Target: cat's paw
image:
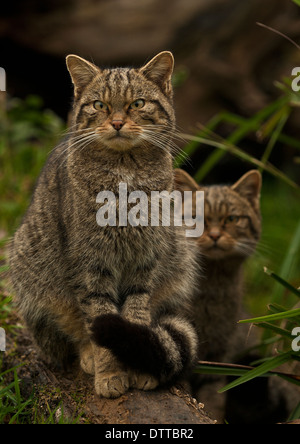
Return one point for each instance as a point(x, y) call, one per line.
point(143, 381)
point(87, 361)
point(111, 385)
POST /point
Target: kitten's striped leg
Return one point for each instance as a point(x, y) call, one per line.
point(136, 307)
point(111, 379)
point(91, 304)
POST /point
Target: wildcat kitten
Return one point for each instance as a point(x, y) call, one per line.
point(103, 293)
point(232, 230)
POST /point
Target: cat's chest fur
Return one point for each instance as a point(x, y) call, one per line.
point(117, 245)
point(218, 301)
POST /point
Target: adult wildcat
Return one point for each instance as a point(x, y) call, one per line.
point(103, 293)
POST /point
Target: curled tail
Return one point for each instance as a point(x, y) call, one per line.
point(164, 351)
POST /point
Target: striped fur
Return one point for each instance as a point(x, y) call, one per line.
point(232, 231)
point(165, 350)
point(69, 274)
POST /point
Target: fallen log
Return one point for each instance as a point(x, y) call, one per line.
point(71, 396)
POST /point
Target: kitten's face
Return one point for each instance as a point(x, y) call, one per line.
point(231, 226)
point(122, 108)
point(231, 214)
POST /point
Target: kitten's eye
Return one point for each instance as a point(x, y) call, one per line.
point(232, 219)
point(100, 106)
point(137, 104)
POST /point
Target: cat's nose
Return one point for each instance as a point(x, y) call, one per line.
point(117, 124)
point(215, 234)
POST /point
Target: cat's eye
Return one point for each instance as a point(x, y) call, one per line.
point(137, 104)
point(231, 218)
point(100, 106)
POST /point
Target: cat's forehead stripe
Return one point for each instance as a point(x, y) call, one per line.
point(116, 83)
point(110, 86)
point(222, 200)
point(215, 200)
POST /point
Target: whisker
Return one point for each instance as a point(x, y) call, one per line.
point(246, 246)
point(161, 135)
point(158, 138)
point(66, 138)
point(78, 131)
point(78, 144)
point(92, 139)
point(71, 130)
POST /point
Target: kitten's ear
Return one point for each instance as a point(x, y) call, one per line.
point(159, 70)
point(184, 182)
point(82, 72)
point(249, 186)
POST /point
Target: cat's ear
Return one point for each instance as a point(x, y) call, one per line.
point(82, 72)
point(159, 70)
point(249, 186)
point(184, 182)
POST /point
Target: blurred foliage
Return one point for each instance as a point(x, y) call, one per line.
point(27, 135)
point(280, 244)
point(267, 125)
point(281, 191)
point(280, 323)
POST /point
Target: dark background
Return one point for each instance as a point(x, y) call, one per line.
point(224, 60)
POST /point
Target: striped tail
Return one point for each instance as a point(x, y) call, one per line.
point(165, 351)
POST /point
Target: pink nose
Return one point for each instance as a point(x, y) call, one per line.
point(215, 235)
point(117, 124)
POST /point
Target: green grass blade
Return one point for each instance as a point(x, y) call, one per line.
point(287, 266)
point(14, 418)
point(289, 140)
point(273, 317)
point(295, 413)
point(226, 146)
point(17, 387)
point(276, 308)
point(283, 115)
point(259, 371)
point(193, 145)
point(208, 165)
point(220, 369)
point(244, 127)
point(283, 282)
point(275, 328)
point(4, 268)
point(291, 380)
point(225, 369)
point(6, 389)
point(11, 369)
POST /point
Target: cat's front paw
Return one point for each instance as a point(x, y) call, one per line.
point(87, 361)
point(111, 385)
point(143, 381)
